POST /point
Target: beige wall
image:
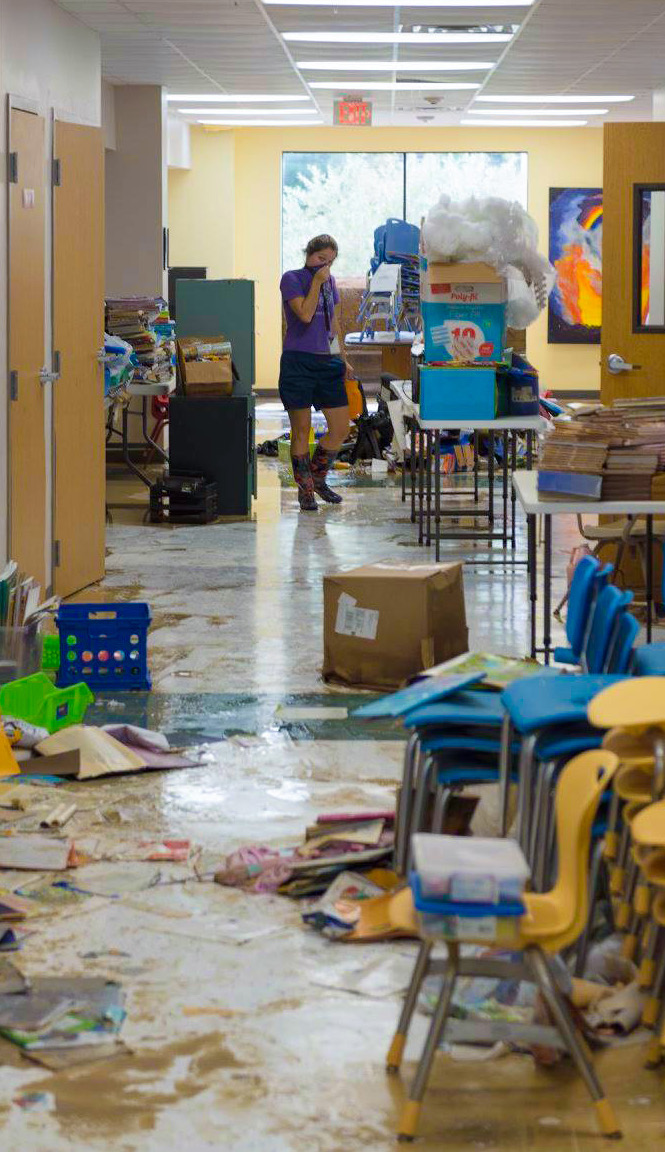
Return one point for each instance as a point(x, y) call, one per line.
point(201, 220)
point(202, 206)
point(136, 196)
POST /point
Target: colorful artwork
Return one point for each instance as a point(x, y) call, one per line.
point(645, 247)
point(576, 242)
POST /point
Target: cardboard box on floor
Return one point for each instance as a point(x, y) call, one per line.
point(385, 623)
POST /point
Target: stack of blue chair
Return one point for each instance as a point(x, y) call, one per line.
point(462, 734)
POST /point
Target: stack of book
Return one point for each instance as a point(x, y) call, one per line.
point(615, 453)
point(143, 321)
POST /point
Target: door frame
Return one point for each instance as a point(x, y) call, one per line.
point(33, 108)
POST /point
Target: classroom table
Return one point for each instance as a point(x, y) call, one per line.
point(525, 485)
point(145, 392)
point(426, 475)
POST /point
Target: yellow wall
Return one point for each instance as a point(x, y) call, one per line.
point(202, 206)
point(557, 158)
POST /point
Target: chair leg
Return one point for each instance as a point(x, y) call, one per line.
point(594, 892)
point(441, 805)
point(505, 761)
point(408, 1126)
point(647, 972)
point(396, 1050)
point(405, 806)
point(525, 771)
point(561, 1014)
point(425, 769)
point(654, 1005)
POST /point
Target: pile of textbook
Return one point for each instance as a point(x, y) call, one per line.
point(469, 888)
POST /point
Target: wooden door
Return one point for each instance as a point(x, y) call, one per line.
point(78, 336)
point(634, 156)
point(26, 285)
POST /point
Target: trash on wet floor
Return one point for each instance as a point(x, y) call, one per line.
point(36, 1101)
point(35, 853)
point(62, 1013)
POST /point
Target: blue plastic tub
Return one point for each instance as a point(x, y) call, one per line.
point(104, 645)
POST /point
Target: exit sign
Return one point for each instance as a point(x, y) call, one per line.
point(357, 113)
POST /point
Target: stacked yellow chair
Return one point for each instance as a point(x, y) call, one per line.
point(553, 921)
point(634, 713)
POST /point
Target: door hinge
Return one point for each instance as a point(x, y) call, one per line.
point(56, 553)
point(57, 173)
point(13, 385)
point(12, 164)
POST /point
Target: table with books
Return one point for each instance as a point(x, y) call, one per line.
point(542, 504)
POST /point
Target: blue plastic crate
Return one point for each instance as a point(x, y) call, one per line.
point(104, 645)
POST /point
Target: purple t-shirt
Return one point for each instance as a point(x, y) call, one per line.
point(315, 336)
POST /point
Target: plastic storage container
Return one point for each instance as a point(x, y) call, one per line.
point(20, 653)
point(35, 700)
point(51, 654)
point(470, 869)
point(104, 645)
point(455, 920)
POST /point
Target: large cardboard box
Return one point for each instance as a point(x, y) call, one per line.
point(385, 623)
point(464, 312)
point(206, 368)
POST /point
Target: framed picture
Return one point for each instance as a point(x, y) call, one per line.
point(576, 244)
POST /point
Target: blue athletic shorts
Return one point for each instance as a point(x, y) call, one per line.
point(310, 381)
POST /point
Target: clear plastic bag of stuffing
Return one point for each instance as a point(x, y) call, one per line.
point(500, 233)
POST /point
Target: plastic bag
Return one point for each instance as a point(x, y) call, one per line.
point(498, 232)
point(522, 307)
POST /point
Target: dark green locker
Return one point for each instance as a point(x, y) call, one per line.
point(221, 307)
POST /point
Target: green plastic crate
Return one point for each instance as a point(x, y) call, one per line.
point(35, 700)
point(51, 654)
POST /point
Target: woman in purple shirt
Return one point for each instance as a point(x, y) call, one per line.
point(312, 371)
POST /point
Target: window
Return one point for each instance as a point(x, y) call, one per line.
point(347, 194)
point(350, 193)
point(462, 174)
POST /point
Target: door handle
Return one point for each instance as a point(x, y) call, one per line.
point(616, 364)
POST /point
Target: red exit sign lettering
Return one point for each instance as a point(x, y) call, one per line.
point(356, 113)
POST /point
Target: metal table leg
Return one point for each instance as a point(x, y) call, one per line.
point(490, 474)
point(437, 493)
point(421, 484)
point(505, 490)
point(146, 435)
point(143, 477)
point(412, 470)
point(547, 590)
point(649, 578)
point(475, 467)
point(513, 495)
point(533, 586)
point(529, 451)
point(429, 488)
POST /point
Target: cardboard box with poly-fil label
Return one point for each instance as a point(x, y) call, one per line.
point(384, 623)
point(464, 312)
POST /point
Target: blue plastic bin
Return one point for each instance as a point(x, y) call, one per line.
point(104, 645)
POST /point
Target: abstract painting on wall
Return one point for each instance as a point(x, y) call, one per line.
point(576, 244)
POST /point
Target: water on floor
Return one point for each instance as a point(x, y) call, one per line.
point(238, 1037)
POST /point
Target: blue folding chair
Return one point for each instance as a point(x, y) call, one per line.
point(621, 658)
point(589, 577)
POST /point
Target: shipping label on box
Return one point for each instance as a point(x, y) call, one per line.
point(464, 332)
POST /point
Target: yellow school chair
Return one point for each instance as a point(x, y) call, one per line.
point(553, 921)
point(8, 762)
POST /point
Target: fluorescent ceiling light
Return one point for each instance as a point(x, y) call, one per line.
point(388, 86)
point(226, 99)
point(430, 38)
point(393, 66)
point(249, 111)
point(260, 123)
point(537, 111)
point(401, 4)
point(569, 99)
point(524, 123)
